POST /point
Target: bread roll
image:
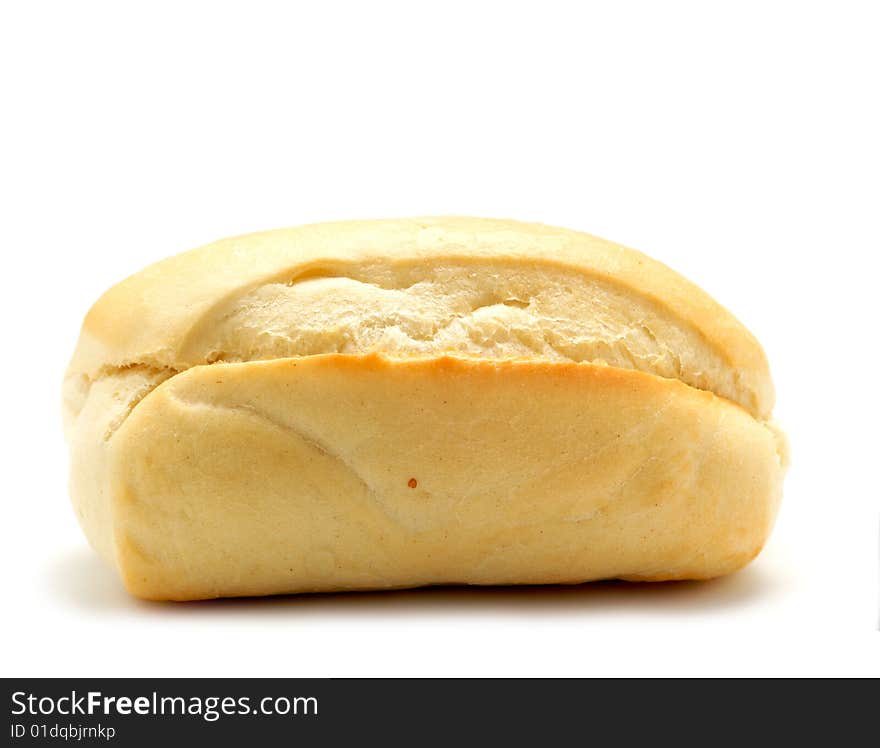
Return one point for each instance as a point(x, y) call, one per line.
point(395, 403)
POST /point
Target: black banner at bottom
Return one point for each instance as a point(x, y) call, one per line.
point(123, 712)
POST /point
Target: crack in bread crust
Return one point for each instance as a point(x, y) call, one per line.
point(418, 310)
point(135, 381)
point(470, 309)
point(478, 288)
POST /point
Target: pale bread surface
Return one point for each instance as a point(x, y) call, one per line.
point(602, 417)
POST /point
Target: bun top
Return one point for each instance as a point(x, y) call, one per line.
point(423, 287)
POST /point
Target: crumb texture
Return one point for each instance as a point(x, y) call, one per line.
point(480, 310)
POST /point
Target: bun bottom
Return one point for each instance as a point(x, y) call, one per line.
point(340, 472)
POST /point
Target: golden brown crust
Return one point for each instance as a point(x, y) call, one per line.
point(346, 472)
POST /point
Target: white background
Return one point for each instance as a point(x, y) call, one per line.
point(737, 142)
